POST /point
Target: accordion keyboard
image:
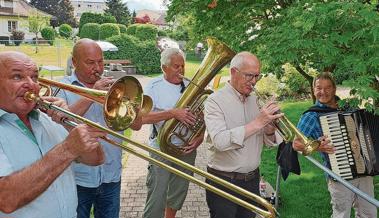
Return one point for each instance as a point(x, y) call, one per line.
point(342, 159)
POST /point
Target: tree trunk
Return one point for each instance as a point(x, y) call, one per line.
point(36, 43)
point(308, 78)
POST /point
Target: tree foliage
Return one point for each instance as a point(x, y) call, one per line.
point(62, 10)
point(119, 10)
point(335, 36)
point(36, 22)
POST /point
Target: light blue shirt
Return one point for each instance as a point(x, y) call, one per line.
point(164, 95)
point(110, 171)
point(20, 147)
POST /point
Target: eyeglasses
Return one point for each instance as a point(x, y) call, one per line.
point(250, 76)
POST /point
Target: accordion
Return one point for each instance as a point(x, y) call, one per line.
point(355, 137)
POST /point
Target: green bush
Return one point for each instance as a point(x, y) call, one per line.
point(88, 17)
point(295, 85)
point(108, 29)
point(90, 30)
point(132, 29)
point(65, 30)
point(143, 54)
point(122, 28)
point(146, 32)
point(162, 33)
point(48, 33)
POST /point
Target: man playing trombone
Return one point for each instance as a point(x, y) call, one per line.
point(36, 178)
point(342, 199)
point(238, 129)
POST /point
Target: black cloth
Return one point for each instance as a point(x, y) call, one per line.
point(286, 158)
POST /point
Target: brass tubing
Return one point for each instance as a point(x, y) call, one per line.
point(270, 213)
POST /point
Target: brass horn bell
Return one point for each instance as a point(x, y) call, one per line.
point(121, 103)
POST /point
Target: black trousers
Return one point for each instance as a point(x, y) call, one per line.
point(219, 207)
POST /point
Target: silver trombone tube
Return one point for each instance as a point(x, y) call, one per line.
point(348, 185)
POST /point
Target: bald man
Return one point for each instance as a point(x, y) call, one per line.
point(98, 186)
point(238, 128)
point(36, 179)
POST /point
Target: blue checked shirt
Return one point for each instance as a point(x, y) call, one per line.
point(309, 124)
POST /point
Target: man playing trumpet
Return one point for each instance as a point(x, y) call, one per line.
point(238, 129)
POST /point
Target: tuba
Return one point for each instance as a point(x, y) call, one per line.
point(174, 136)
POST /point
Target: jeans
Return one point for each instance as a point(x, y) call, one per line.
point(105, 199)
point(220, 207)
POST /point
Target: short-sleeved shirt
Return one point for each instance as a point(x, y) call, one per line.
point(164, 95)
point(110, 171)
point(225, 118)
point(20, 148)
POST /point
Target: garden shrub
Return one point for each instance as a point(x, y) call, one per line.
point(65, 30)
point(88, 17)
point(132, 29)
point(90, 30)
point(122, 28)
point(146, 32)
point(17, 37)
point(108, 29)
point(48, 33)
point(143, 54)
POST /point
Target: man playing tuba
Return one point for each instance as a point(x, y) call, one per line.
point(167, 191)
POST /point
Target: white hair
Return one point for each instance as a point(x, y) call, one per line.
point(168, 53)
point(238, 60)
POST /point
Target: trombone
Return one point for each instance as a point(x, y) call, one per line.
point(270, 211)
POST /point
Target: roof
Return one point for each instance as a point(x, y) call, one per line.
point(89, 1)
point(156, 17)
point(21, 9)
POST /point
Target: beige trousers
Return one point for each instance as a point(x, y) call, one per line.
point(342, 199)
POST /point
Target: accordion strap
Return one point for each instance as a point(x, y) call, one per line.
point(318, 109)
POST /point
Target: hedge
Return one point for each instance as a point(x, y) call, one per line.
point(132, 29)
point(108, 29)
point(122, 28)
point(65, 30)
point(90, 30)
point(48, 33)
point(146, 32)
point(88, 17)
point(143, 54)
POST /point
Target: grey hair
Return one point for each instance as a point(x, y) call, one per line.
point(239, 59)
point(168, 53)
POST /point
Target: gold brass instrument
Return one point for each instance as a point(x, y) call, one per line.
point(270, 211)
point(288, 130)
point(121, 104)
point(174, 136)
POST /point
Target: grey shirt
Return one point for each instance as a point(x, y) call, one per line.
point(225, 117)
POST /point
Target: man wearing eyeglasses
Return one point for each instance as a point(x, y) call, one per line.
point(238, 128)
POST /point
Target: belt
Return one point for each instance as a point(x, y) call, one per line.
point(235, 175)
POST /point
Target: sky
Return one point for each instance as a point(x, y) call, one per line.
point(145, 4)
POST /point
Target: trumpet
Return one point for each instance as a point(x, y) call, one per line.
point(288, 130)
point(269, 211)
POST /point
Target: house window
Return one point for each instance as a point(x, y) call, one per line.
point(90, 6)
point(78, 5)
point(12, 25)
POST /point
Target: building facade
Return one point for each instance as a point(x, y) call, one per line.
point(81, 6)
